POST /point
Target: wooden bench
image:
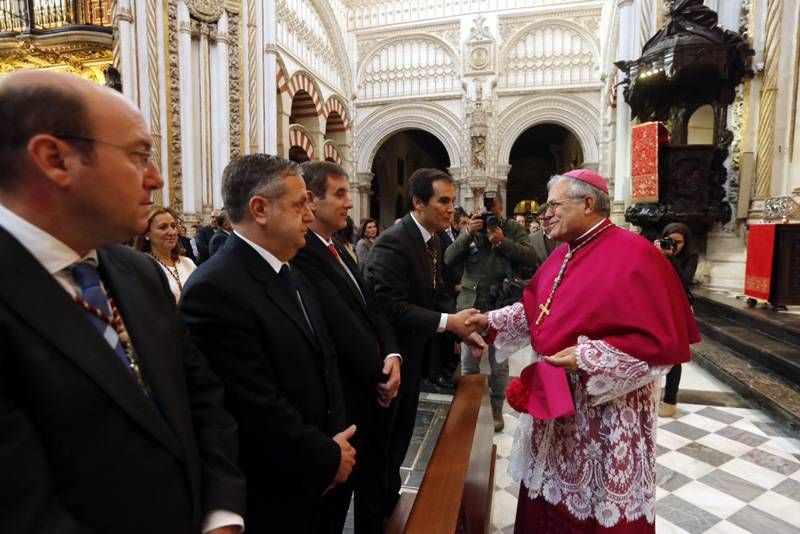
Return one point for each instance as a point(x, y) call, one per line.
point(456, 492)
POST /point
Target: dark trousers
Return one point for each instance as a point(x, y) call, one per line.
point(401, 426)
point(673, 381)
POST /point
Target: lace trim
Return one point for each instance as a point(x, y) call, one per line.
point(513, 333)
point(611, 373)
point(599, 463)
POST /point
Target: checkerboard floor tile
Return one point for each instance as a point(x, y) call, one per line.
point(721, 470)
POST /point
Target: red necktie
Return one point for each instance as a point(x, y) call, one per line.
point(333, 251)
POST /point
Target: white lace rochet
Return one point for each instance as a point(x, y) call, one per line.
point(600, 462)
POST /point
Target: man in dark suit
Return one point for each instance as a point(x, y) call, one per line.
point(110, 420)
point(405, 273)
point(443, 357)
point(259, 325)
point(204, 235)
point(221, 234)
point(369, 359)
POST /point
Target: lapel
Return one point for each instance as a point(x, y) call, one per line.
point(352, 266)
point(420, 252)
point(40, 301)
point(119, 280)
point(317, 247)
point(262, 272)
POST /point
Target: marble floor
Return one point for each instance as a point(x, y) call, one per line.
point(724, 466)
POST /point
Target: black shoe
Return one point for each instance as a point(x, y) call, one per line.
point(443, 382)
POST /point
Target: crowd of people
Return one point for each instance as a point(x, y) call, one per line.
point(265, 373)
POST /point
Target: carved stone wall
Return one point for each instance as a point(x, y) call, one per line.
point(549, 53)
point(409, 66)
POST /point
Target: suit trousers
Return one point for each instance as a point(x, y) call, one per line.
point(498, 378)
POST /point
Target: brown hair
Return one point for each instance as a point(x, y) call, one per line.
point(142, 244)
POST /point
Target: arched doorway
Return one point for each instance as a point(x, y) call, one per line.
point(538, 153)
point(396, 159)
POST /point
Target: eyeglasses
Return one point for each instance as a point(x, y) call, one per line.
point(144, 157)
point(551, 205)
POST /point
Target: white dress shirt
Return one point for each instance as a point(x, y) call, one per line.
point(426, 236)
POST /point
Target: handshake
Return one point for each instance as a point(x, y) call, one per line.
point(467, 324)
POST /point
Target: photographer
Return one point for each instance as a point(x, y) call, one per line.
point(489, 250)
point(675, 245)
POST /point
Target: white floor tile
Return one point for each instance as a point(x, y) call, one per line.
point(504, 443)
point(726, 527)
point(781, 507)
point(504, 509)
point(775, 447)
point(667, 439)
point(709, 499)
point(790, 445)
point(685, 465)
point(501, 476)
point(723, 444)
point(665, 527)
point(695, 377)
point(761, 476)
point(699, 421)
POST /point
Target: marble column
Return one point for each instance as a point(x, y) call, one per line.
point(769, 92)
point(190, 172)
point(622, 157)
point(125, 49)
point(270, 92)
point(362, 186)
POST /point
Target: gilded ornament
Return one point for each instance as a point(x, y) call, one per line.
point(206, 10)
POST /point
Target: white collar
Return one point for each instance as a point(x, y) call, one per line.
point(426, 235)
point(326, 242)
point(53, 254)
point(589, 231)
point(274, 262)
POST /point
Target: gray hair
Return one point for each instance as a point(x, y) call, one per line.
point(251, 175)
point(580, 189)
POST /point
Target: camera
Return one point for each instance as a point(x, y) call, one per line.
point(490, 220)
point(667, 243)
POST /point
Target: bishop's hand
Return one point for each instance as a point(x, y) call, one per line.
point(567, 358)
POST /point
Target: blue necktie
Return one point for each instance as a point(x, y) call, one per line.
point(86, 275)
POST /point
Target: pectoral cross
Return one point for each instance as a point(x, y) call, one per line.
point(545, 312)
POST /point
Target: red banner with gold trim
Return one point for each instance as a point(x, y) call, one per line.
point(645, 139)
point(760, 253)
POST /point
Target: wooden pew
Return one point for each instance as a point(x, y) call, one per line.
point(457, 489)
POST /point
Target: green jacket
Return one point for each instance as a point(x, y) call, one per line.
point(486, 265)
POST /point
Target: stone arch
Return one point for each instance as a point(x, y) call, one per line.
point(298, 136)
point(302, 80)
point(331, 152)
point(574, 114)
point(569, 55)
point(335, 103)
point(432, 118)
point(415, 64)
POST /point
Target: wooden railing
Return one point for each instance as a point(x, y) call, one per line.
point(456, 492)
point(42, 16)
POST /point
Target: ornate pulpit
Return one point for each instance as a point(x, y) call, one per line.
point(691, 62)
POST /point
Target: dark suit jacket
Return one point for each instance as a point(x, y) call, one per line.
point(360, 331)
point(399, 273)
point(82, 449)
point(203, 238)
point(281, 382)
point(186, 243)
point(217, 241)
point(450, 274)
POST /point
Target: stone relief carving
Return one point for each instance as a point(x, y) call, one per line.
point(479, 48)
point(569, 58)
point(206, 10)
point(235, 97)
point(450, 33)
point(413, 66)
point(479, 152)
point(589, 19)
point(174, 110)
point(310, 32)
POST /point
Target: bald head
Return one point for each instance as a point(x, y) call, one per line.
point(34, 102)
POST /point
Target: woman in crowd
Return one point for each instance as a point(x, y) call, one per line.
point(675, 245)
point(160, 240)
point(369, 233)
